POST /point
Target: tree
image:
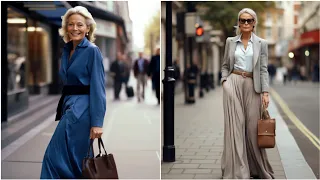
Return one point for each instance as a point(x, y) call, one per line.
point(152, 29)
point(223, 14)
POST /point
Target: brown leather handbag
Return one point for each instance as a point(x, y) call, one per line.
point(99, 167)
point(266, 130)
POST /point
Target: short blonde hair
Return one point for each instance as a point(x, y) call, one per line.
point(89, 22)
point(253, 14)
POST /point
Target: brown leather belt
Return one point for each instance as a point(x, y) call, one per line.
point(243, 73)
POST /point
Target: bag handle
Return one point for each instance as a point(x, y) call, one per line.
point(100, 142)
point(264, 112)
point(90, 148)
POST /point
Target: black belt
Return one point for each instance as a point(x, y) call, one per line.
point(70, 90)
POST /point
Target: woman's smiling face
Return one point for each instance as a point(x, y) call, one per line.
point(77, 27)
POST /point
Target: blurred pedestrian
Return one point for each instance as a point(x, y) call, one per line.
point(272, 72)
point(190, 80)
point(154, 72)
point(117, 72)
point(285, 74)
point(315, 72)
point(177, 71)
point(140, 70)
point(127, 69)
point(185, 80)
point(303, 74)
point(82, 106)
point(244, 81)
point(295, 73)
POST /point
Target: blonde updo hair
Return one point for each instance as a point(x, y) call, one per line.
point(89, 22)
point(253, 14)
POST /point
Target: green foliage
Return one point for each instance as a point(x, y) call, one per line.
point(223, 14)
point(152, 28)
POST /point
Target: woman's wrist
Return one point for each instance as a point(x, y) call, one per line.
point(265, 93)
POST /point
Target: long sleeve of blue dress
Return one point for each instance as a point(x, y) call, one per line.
point(97, 89)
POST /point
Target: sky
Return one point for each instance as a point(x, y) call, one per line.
point(141, 12)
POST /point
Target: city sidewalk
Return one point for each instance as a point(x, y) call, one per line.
point(199, 142)
point(131, 134)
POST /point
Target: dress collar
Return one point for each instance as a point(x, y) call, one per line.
point(84, 43)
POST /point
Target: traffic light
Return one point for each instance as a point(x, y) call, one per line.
point(199, 31)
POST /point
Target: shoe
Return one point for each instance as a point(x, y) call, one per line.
point(254, 177)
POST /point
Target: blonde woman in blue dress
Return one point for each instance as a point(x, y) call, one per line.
point(81, 109)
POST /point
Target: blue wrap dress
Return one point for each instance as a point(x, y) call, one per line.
point(70, 141)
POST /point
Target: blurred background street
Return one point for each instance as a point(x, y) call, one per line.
point(31, 86)
point(199, 33)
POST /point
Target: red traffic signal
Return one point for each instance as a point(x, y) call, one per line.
point(199, 31)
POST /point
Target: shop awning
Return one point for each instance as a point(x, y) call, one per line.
point(305, 39)
point(49, 11)
point(54, 16)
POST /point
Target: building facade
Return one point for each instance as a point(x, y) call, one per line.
point(306, 41)
point(273, 31)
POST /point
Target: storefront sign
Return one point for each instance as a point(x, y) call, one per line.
point(106, 28)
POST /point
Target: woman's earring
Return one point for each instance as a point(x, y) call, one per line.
point(87, 34)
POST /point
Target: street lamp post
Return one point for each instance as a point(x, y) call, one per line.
point(4, 62)
point(201, 94)
point(168, 94)
point(190, 74)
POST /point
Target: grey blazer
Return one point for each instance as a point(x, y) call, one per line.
point(260, 62)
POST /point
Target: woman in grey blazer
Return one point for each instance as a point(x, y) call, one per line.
point(245, 87)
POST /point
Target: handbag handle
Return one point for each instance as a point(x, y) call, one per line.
point(264, 112)
point(90, 148)
point(100, 142)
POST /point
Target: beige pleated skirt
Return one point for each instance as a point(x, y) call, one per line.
point(241, 157)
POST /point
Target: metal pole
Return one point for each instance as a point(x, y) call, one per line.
point(4, 62)
point(191, 76)
point(201, 94)
point(191, 79)
point(168, 94)
point(185, 79)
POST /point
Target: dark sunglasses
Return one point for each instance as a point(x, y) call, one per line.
point(249, 21)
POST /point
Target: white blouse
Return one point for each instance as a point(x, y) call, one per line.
point(244, 57)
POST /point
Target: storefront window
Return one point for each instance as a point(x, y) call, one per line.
point(17, 52)
point(39, 51)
